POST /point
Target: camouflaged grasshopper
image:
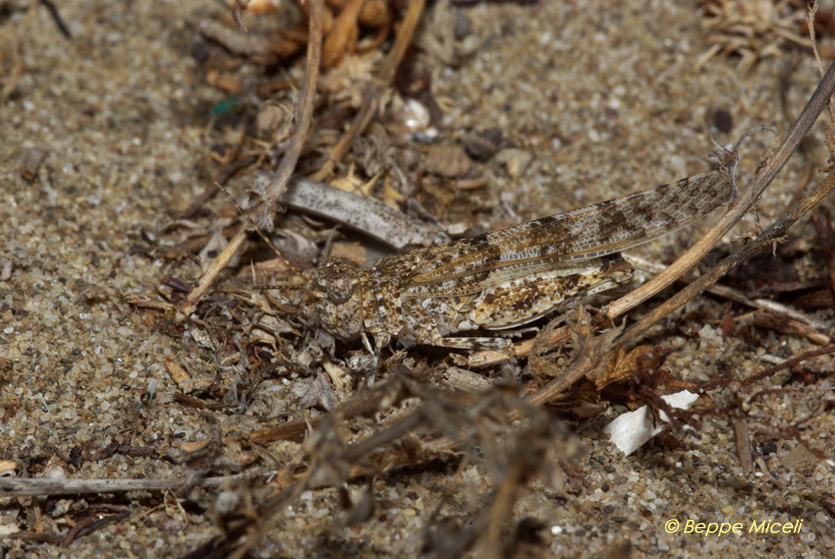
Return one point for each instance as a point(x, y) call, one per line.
point(506, 278)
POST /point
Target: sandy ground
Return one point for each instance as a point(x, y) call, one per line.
point(603, 100)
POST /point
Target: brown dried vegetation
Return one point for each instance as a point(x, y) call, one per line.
point(359, 417)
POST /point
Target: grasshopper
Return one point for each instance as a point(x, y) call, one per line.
point(508, 278)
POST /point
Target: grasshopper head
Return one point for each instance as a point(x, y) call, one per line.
point(337, 290)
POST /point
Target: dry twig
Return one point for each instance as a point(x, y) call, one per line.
point(304, 113)
point(37, 487)
point(371, 95)
point(304, 116)
point(590, 356)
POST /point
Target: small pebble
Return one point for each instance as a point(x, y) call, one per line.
point(483, 144)
point(449, 161)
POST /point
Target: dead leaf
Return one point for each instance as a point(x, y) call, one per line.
point(176, 371)
point(625, 365)
point(315, 391)
point(352, 251)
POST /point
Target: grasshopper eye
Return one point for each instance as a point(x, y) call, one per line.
point(339, 288)
point(336, 280)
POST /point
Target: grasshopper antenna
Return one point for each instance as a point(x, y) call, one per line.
point(727, 159)
point(261, 234)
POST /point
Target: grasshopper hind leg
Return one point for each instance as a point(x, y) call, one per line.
point(524, 300)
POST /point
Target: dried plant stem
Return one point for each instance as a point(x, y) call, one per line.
point(32, 487)
point(736, 295)
point(361, 120)
point(214, 268)
point(743, 446)
point(371, 94)
point(340, 31)
point(771, 371)
point(404, 38)
point(817, 328)
point(263, 214)
point(763, 178)
point(590, 356)
point(304, 116)
point(321, 471)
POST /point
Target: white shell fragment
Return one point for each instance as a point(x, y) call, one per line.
point(414, 116)
point(632, 430)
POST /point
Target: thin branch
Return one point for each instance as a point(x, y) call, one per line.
point(56, 17)
point(735, 295)
point(36, 487)
point(402, 42)
point(215, 267)
point(788, 364)
point(263, 215)
point(304, 116)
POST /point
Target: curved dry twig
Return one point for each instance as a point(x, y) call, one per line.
point(263, 213)
point(304, 116)
point(765, 175)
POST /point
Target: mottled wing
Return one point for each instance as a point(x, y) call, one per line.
point(565, 240)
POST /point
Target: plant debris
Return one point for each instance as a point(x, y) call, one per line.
point(211, 417)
